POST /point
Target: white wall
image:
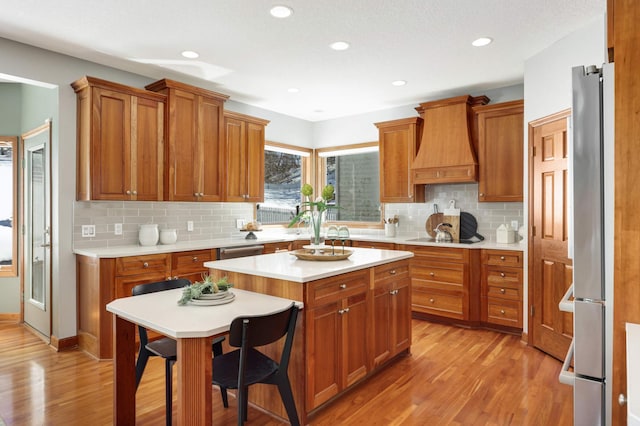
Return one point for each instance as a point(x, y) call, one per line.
point(547, 85)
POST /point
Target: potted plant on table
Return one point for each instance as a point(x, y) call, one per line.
point(314, 210)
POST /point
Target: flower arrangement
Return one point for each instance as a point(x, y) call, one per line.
point(314, 209)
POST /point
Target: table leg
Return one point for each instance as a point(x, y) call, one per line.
point(194, 381)
point(124, 373)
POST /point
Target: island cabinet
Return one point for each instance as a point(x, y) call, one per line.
point(101, 280)
point(194, 150)
point(120, 142)
point(444, 283)
point(353, 323)
point(336, 335)
point(391, 313)
point(501, 288)
point(244, 138)
point(398, 144)
point(500, 129)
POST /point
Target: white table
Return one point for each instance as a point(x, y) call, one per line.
point(193, 327)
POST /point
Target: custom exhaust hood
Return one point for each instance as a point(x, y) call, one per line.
point(446, 153)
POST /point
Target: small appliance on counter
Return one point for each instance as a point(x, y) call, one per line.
point(505, 234)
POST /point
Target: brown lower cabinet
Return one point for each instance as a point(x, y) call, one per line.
point(101, 280)
point(502, 288)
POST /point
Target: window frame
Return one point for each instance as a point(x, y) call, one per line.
point(12, 270)
point(321, 171)
point(307, 165)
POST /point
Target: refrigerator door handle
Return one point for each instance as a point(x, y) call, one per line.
point(567, 377)
point(566, 305)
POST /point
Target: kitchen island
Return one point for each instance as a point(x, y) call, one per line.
point(356, 318)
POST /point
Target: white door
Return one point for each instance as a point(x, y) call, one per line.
point(37, 229)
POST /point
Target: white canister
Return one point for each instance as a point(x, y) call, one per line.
point(148, 235)
point(168, 236)
point(389, 229)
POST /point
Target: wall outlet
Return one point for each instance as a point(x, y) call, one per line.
point(514, 224)
point(88, 231)
point(117, 229)
point(189, 225)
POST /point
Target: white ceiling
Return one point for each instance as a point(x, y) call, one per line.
point(255, 58)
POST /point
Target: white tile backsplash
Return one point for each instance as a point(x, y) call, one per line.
point(218, 220)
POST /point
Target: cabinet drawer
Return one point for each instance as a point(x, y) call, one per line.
point(502, 258)
point(503, 292)
point(276, 247)
point(373, 244)
point(185, 262)
point(441, 276)
point(504, 312)
point(424, 300)
point(134, 265)
point(336, 288)
point(449, 254)
point(391, 272)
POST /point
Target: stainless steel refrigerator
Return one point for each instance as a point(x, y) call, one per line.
point(591, 245)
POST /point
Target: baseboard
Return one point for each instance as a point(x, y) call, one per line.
point(10, 317)
point(65, 344)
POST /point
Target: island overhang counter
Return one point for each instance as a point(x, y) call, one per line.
point(356, 318)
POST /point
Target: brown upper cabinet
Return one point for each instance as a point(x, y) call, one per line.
point(500, 151)
point(398, 144)
point(194, 151)
point(244, 136)
point(120, 141)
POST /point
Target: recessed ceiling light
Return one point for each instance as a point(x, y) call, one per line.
point(399, 82)
point(190, 54)
point(482, 41)
point(339, 45)
point(293, 90)
point(281, 11)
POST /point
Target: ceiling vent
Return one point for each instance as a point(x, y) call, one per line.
point(447, 153)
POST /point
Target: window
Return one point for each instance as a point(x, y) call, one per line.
point(8, 205)
point(286, 168)
point(354, 171)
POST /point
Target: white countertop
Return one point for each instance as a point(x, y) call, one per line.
point(160, 312)
point(286, 266)
point(269, 237)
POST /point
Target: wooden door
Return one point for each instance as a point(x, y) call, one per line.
point(382, 324)
point(401, 316)
point(111, 150)
point(183, 160)
point(147, 134)
point(354, 339)
point(209, 135)
point(550, 269)
point(323, 348)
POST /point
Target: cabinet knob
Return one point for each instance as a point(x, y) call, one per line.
point(392, 272)
point(201, 194)
point(128, 192)
point(194, 258)
point(433, 274)
point(343, 311)
point(502, 274)
point(145, 265)
point(502, 290)
point(343, 286)
point(195, 194)
point(135, 192)
point(481, 194)
point(432, 300)
point(393, 292)
point(501, 257)
point(502, 311)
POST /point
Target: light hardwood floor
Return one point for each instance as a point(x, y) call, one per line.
point(453, 376)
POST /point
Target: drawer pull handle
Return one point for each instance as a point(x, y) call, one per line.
point(502, 290)
point(145, 265)
point(432, 300)
point(392, 272)
point(433, 274)
point(195, 258)
point(502, 311)
point(393, 292)
point(501, 257)
point(343, 286)
point(343, 311)
point(502, 274)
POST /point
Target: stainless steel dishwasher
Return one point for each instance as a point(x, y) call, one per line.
point(242, 251)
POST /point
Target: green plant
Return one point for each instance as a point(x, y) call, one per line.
point(313, 210)
point(206, 286)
